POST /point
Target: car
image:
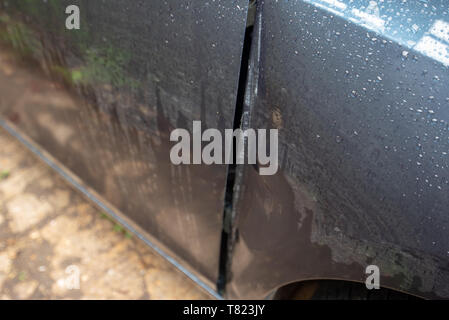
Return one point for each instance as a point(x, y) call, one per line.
point(357, 92)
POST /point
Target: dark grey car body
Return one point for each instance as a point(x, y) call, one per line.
point(359, 91)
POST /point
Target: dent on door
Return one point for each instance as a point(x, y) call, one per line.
point(136, 70)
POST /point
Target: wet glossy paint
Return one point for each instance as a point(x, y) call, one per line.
point(357, 89)
point(136, 70)
point(363, 128)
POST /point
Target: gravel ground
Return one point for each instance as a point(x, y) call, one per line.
point(50, 237)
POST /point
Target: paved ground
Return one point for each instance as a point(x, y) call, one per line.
point(49, 234)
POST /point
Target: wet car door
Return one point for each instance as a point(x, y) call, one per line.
point(136, 70)
point(359, 93)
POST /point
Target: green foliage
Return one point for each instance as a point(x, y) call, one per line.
point(19, 37)
point(105, 66)
point(128, 235)
point(37, 9)
point(102, 65)
point(105, 216)
point(4, 174)
point(118, 228)
point(22, 276)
